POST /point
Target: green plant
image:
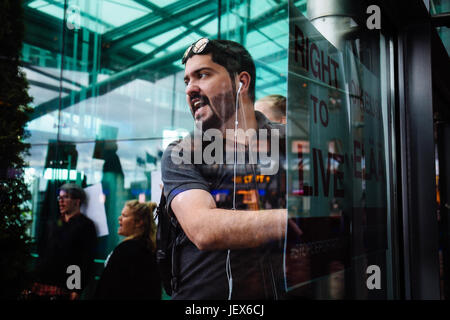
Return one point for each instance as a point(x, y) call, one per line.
point(14, 111)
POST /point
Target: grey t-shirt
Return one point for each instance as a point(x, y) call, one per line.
point(255, 272)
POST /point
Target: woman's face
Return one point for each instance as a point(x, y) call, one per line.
point(127, 222)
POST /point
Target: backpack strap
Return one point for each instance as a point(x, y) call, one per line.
point(169, 234)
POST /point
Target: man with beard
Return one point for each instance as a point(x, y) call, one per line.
point(231, 247)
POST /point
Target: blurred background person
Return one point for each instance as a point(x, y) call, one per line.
point(130, 270)
point(70, 241)
point(273, 107)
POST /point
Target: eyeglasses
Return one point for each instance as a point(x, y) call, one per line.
point(196, 48)
point(59, 198)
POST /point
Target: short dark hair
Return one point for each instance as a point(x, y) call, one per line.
point(233, 57)
point(74, 191)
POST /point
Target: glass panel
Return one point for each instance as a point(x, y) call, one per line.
point(86, 13)
point(338, 156)
point(444, 33)
point(124, 170)
point(108, 99)
point(111, 98)
point(439, 6)
point(264, 32)
point(41, 55)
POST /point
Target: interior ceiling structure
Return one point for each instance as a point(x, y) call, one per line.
point(145, 39)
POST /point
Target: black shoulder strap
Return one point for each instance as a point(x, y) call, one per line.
point(167, 238)
point(162, 203)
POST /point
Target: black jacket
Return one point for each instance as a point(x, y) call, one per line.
point(130, 273)
point(68, 243)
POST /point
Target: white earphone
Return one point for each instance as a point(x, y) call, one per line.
point(228, 261)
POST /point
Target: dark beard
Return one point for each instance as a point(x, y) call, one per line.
point(223, 108)
point(211, 122)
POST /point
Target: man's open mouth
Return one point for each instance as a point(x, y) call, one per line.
point(197, 103)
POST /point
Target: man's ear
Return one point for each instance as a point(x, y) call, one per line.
point(245, 78)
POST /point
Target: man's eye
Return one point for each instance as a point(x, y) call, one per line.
point(202, 75)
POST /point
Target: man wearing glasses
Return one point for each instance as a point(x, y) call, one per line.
point(232, 244)
point(71, 241)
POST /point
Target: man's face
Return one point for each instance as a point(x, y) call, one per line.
point(209, 92)
point(67, 205)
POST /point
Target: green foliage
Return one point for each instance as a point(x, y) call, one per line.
point(14, 111)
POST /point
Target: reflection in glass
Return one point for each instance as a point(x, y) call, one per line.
point(108, 91)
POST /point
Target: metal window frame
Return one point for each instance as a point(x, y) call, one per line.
point(416, 153)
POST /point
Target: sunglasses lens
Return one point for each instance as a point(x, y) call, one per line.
point(200, 45)
point(196, 47)
point(186, 53)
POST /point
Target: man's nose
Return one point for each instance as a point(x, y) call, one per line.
point(192, 89)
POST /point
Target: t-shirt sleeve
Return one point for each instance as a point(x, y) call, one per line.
point(179, 174)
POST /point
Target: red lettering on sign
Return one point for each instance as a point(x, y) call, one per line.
point(325, 178)
point(304, 189)
point(322, 106)
point(318, 164)
point(316, 71)
point(321, 64)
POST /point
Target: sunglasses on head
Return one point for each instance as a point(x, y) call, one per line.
point(196, 48)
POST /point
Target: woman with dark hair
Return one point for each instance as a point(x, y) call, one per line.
point(131, 271)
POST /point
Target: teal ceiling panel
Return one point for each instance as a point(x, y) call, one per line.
point(146, 39)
